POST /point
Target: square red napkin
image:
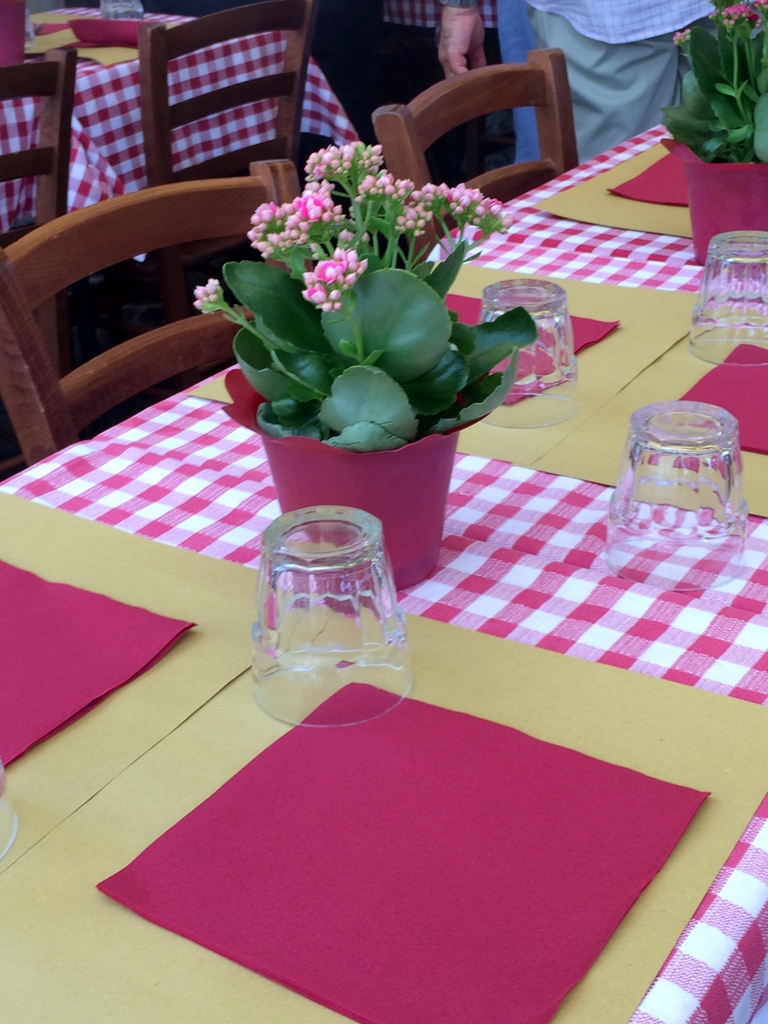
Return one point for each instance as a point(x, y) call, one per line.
point(585, 331)
point(424, 866)
point(663, 182)
point(741, 390)
point(64, 649)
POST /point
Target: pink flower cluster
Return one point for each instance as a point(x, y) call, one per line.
point(331, 278)
point(349, 161)
point(276, 229)
point(209, 296)
point(736, 12)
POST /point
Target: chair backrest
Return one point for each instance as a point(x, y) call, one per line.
point(160, 45)
point(52, 81)
point(406, 131)
point(48, 413)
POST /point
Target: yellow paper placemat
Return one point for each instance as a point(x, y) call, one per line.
point(50, 904)
point(56, 776)
point(593, 450)
point(591, 202)
point(652, 321)
point(106, 55)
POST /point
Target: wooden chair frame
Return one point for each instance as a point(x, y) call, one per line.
point(159, 46)
point(48, 413)
point(52, 80)
point(406, 131)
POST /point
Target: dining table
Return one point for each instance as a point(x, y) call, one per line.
point(107, 153)
point(521, 622)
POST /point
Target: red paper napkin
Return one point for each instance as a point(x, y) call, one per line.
point(64, 649)
point(106, 32)
point(425, 866)
point(741, 390)
point(585, 331)
point(662, 182)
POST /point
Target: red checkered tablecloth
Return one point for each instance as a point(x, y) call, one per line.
point(542, 244)
point(107, 157)
point(521, 558)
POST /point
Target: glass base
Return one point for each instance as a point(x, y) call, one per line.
point(535, 411)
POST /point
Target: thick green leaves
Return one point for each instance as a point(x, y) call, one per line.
point(397, 314)
point(281, 315)
point(365, 394)
point(493, 340)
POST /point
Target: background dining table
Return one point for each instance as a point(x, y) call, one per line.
point(521, 557)
point(107, 157)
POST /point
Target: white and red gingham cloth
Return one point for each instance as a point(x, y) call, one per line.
point(542, 244)
point(107, 157)
point(521, 558)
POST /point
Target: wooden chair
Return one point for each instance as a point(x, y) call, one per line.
point(159, 46)
point(406, 131)
point(48, 413)
point(52, 82)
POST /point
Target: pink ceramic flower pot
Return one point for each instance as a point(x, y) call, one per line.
point(723, 197)
point(12, 32)
point(406, 489)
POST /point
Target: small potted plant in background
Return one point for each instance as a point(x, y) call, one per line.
point(358, 374)
point(721, 126)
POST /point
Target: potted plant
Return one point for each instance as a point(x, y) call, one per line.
point(359, 374)
point(721, 126)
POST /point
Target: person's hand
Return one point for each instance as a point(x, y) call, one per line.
point(461, 40)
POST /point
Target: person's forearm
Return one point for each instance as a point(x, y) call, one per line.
point(461, 38)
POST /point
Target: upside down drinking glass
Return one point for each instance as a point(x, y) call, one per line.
point(678, 518)
point(543, 392)
point(328, 617)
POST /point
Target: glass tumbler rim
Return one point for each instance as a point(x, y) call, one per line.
point(738, 245)
point(670, 425)
point(541, 295)
point(323, 536)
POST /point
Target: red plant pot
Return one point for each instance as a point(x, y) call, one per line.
point(723, 197)
point(12, 32)
point(406, 489)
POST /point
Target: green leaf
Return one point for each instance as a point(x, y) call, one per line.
point(496, 340)
point(437, 389)
point(482, 397)
point(365, 437)
point(694, 100)
point(365, 394)
point(445, 272)
point(280, 313)
point(726, 111)
point(761, 128)
point(706, 60)
point(270, 425)
point(255, 361)
point(397, 314)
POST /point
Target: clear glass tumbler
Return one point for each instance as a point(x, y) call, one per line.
point(677, 517)
point(731, 309)
point(328, 619)
point(9, 823)
point(543, 392)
